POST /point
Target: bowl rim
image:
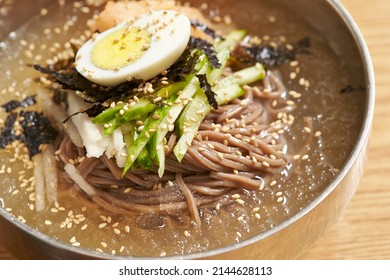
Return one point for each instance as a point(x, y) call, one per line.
point(360, 42)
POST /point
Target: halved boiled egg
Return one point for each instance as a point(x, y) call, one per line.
point(140, 49)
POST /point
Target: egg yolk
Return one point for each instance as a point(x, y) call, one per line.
point(120, 48)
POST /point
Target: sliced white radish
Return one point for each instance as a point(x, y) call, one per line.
point(79, 180)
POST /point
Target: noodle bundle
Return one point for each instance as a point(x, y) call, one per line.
point(236, 147)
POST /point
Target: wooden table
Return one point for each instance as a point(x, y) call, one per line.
point(363, 231)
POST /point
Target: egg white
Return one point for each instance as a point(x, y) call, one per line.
point(170, 33)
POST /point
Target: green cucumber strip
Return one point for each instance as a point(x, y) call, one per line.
point(112, 126)
point(167, 91)
point(231, 40)
point(144, 160)
point(169, 120)
point(107, 115)
point(243, 77)
point(140, 109)
point(223, 57)
point(229, 93)
point(139, 144)
point(195, 112)
point(135, 148)
point(223, 49)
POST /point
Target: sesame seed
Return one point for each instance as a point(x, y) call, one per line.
point(305, 157)
point(293, 75)
point(236, 196)
point(15, 192)
point(317, 134)
point(102, 225)
point(227, 19)
point(290, 102)
point(238, 234)
point(127, 190)
point(115, 224)
point(280, 199)
point(257, 216)
point(272, 19)
point(295, 94)
point(211, 146)
point(240, 201)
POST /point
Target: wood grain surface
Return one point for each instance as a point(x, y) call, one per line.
point(363, 230)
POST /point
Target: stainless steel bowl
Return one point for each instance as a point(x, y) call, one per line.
point(286, 240)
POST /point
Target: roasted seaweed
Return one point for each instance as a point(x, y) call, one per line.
point(183, 67)
point(14, 104)
point(207, 48)
point(29, 127)
point(271, 56)
point(90, 92)
point(206, 87)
